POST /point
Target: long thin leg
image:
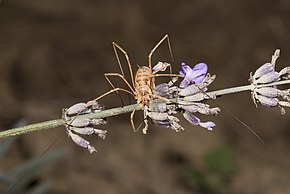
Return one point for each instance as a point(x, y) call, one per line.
point(110, 82)
point(150, 58)
point(89, 103)
point(156, 46)
point(166, 75)
point(122, 77)
point(115, 45)
point(132, 117)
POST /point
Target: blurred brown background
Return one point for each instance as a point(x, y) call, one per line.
point(53, 53)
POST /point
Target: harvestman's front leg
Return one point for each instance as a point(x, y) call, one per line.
point(115, 45)
point(150, 57)
point(91, 102)
point(156, 46)
point(118, 75)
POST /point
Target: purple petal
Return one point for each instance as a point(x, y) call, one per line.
point(185, 69)
point(199, 79)
point(200, 66)
point(191, 118)
point(195, 75)
point(198, 73)
point(208, 125)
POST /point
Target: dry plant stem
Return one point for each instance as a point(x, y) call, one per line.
point(120, 110)
point(244, 88)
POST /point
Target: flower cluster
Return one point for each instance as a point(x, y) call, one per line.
point(186, 99)
point(161, 113)
point(76, 124)
point(193, 91)
point(264, 85)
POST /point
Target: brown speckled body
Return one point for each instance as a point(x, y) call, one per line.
point(144, 85)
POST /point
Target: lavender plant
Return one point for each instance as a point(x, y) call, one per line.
point(187, 98)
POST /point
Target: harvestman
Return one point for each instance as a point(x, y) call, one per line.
point(143, 85)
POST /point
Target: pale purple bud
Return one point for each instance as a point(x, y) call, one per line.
point(263, 70)
point(268, 91)
point(81, 142)
point(78, 108)
point(82, 130)
point(160, 66)
point(208, 125)
point(268, 78)
point(266, 101)
point(191, 118)
point(79, 122)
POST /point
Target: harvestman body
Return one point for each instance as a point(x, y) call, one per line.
point(143, 84)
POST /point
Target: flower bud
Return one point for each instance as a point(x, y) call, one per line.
point(266, 101)
point(79, 122)
point(263, 70)
point(268, 78)
point(81, 142)
point(77, 109)
point(268, 91)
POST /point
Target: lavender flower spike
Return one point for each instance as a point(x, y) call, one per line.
point(194, 75)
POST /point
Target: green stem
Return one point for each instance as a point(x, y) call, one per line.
point(58, 122)
point(117, 111)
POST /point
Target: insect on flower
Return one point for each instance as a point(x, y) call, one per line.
point(186, 98)
point(142, 86)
